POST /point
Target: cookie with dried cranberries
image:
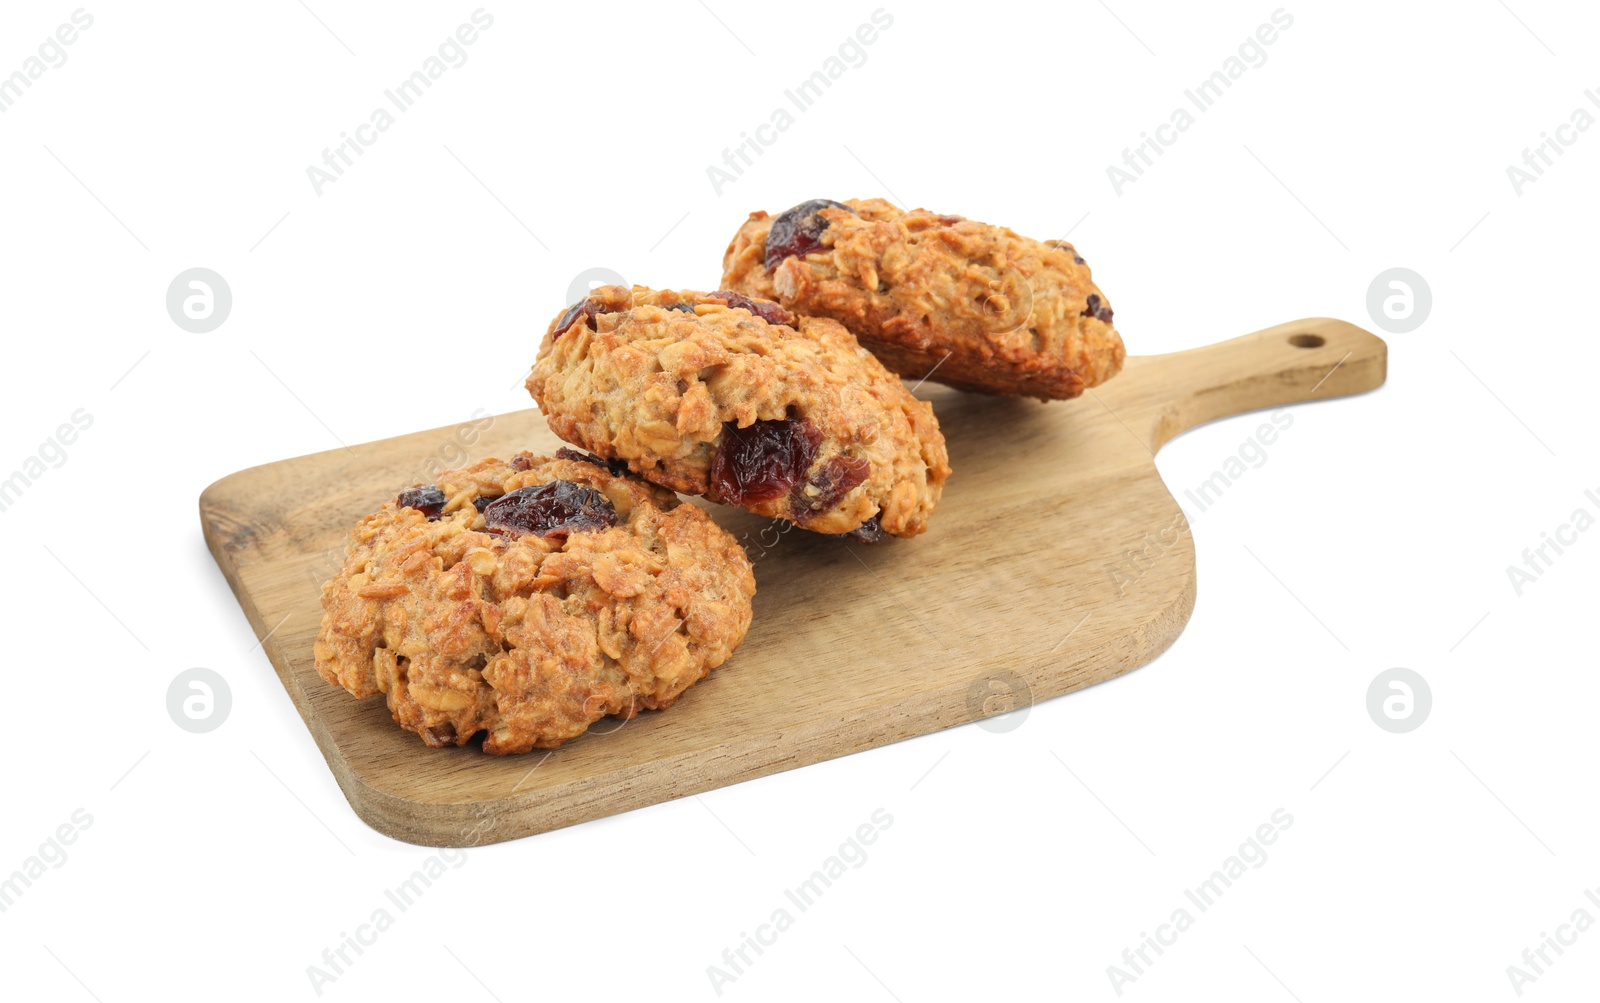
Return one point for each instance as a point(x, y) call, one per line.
point(734, 397)
point(936, 296)
point(525, 599)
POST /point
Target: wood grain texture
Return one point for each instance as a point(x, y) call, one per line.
point(1054, 512)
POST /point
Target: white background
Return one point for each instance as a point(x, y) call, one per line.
point(409, 293)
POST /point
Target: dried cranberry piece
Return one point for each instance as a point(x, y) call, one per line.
point(798, 231)
point(767, 310)
point(429, 500)
point(440, 735)
point(1098, 310)
point(482, 502)
point(554, 509)
point(833, 480)
point(616, 468)
point(520, 462)
point(870, 531)
point(586, 309)
point(761, 462)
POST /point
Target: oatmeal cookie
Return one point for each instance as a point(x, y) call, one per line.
point(721, 395)
point(528, 598)
point(936, 297)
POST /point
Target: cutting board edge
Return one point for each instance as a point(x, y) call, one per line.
point(461, 823)
point(481, 822)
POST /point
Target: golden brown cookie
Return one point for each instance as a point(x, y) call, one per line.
point(528, 599)
point(720, 395)
point(935, 297)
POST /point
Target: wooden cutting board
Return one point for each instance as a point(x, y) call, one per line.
point(1057, 559)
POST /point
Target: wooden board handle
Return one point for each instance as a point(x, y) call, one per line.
point(1304, 360)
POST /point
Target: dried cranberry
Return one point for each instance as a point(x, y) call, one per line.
point(440, 735)
point(586, 309)
point(833, 480)
point(870, 531)
point(482, 502)
point(615, 468)
point(520, 462)
point(767, 310)
point(554, 509)
point(429, 500)
point(761, 462)
point(1098, 310)
point(798, 231)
